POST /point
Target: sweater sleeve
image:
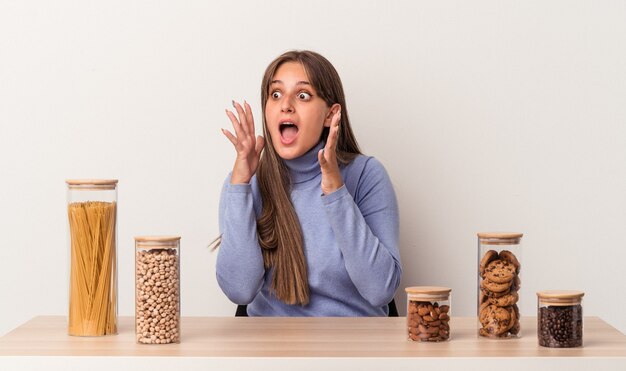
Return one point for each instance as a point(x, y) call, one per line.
point(366, 229)
point(239, 267)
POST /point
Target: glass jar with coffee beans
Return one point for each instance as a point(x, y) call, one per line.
point(428, 313)
point(498, 285)
point(157, 289)
point(560, 319)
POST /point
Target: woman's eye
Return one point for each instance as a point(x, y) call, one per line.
point(304, 95)
point(276, 94)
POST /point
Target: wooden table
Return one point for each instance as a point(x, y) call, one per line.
point(222, 343)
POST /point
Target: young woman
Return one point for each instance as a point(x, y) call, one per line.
point(309, 225)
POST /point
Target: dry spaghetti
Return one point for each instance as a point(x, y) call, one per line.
point(93, 278)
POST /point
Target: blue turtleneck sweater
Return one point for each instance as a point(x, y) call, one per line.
point(350, 242)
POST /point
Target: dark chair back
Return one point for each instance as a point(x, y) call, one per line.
point(393, 311)
point(242, 310)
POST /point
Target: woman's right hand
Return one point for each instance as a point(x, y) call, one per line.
point(247, 146)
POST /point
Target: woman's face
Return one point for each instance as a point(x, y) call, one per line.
point(295, 115)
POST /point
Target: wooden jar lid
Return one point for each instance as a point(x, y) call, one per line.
point(104, 184)
point(560, 297)
point(428, 292)
point(156, 242)
point(499, 238)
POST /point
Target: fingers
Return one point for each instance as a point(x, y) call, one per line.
point(333, 135)
point(260, 143)
point(245, 121)
point(243, 139)
point(327, 157)
point(230, 137)
point(249, 118)
point(242, 117)
point(331, 176)
point(335, 124)
point(321, 158)
point(329, 150)
point(236, 125)
point(336, 118)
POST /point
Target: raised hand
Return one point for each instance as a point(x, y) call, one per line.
point(247, 146)
point(327, 156)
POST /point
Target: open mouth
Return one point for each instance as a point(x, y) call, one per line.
point(288, 132)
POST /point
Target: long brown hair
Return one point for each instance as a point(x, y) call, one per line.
point(278, 226)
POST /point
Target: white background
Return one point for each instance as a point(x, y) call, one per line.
point(488, 115)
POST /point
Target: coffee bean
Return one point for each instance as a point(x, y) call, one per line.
point(560, 326)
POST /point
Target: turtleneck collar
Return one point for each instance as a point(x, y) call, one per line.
point(305, 167)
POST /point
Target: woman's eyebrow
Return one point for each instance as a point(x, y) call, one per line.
point(298, 83)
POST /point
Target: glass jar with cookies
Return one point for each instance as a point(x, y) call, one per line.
point(498, 285)
point(428, 313)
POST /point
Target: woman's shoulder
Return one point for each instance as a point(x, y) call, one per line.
point(364, 172)
point(364, 164)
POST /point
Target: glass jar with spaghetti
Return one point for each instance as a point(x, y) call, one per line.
point(498, 285)
point(92, 221)
point(157, 289)
point(560, 319)
point(428, 313)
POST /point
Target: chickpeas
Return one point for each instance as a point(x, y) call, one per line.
point(157, 309)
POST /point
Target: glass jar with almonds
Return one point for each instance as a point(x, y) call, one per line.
point(428, 313)
point(498, 285)
point(157, 289)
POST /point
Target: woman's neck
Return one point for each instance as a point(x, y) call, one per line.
point(305, 167)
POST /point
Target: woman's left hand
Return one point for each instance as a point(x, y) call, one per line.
point(327, 156)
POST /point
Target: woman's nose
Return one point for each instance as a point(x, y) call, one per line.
point(286, 106)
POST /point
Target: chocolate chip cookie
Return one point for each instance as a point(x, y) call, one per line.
point(496, 320)
point(506, 300)
point(498, 294)
point(511, 258)
point(489, 256)
point(494, 286)
point(500, 271)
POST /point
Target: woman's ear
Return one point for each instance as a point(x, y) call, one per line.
point(331, 112)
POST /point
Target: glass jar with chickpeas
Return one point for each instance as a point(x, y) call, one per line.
point(157, 289)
